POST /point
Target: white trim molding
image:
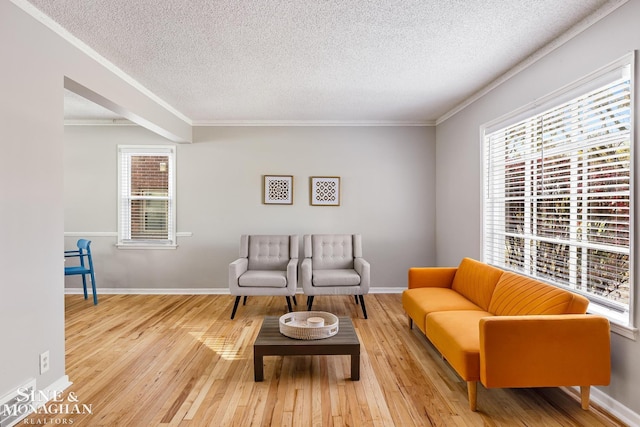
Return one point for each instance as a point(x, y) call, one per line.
point(609, 404)
point(532, 59)
point(112, 234)
point(319, 123)
point(59, 385)
point(195, 291)
point(152, 291)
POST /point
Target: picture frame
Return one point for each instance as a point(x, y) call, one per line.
point(277, 189)
point(324, 191)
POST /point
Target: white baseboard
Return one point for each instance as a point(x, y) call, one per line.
point(58, 385)
point(613, 407)
point(152, 291)
point(388, 290)
point(18, 410)
point(194, 291)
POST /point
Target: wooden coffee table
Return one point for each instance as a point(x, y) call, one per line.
point(270, 342)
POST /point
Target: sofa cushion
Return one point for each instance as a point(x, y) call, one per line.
point(456, 335)
point(476, 281)
point(419, 302)
point(263, 279)
point(341, 277)
point(516, 294)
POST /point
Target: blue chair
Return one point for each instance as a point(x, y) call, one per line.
point(85, 267)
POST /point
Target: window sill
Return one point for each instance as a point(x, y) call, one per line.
point(137, 246)
point(625, 331)
point(616, 320)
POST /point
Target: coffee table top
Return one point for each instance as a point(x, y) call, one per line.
point(270, 335)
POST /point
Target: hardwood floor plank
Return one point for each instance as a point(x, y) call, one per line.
point(178, 360)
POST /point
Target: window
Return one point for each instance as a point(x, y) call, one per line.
point(146, 209)
point(557, 191)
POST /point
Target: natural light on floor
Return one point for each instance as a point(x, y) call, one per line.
point(229, 348)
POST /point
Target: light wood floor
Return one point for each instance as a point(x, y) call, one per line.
point(155, 360)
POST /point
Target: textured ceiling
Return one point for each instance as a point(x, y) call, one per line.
point(316, 61)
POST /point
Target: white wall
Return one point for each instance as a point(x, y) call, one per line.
point(458, 158)
point(31, 215)
point(387, 176)
point(34, 64)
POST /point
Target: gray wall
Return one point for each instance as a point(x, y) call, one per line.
point(387, 179)
point(458, 158)
point(34, 64)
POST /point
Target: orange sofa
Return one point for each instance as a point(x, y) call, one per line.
point(507, 330)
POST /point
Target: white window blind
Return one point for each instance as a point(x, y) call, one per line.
point(557, 194)
point(146, 206)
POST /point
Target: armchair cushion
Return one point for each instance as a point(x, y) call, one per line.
point(340, 277)
point(263, 279)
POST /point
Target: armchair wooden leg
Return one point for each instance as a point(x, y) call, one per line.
point(472, 391)
point(294, 300)
point(235, 307)
point(364, 309)
point(289, 304)
point(410, 322)
point(356, 296)
point(244, 300)
point(309, 302)
point(584, 396)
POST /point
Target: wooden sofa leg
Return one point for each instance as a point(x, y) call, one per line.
point(472, 391)
point(410, 322)
point(584, 396)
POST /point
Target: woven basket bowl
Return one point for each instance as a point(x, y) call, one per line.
point(294, 325)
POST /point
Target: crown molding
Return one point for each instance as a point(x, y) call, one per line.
point(99, 122)
point(581, 26)
point(309, 123)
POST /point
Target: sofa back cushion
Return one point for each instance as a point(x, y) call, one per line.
point(475, 281)
point(516, 294)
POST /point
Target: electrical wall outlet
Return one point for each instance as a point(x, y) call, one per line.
point(44, 362)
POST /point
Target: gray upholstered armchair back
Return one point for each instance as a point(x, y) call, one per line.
point(268, 252)
point(332, 251)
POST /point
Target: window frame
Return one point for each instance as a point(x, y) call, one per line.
point(124, 210)
point(599, 78)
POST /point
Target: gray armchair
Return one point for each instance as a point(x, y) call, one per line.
point(268, 266)
point(333, 265)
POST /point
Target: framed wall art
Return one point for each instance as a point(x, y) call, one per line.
point(324, 190)
point(277, 189)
